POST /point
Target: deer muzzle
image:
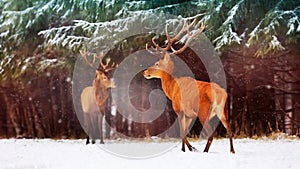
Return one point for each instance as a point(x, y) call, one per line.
point(147, 74)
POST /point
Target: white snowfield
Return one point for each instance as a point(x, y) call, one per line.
point(74, 154)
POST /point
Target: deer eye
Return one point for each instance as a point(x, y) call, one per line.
point(156, 64)
point(105, 78)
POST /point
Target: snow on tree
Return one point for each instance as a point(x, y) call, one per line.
point(39, 38)
point(267, 31)
point(228, 36)
point(265, 25)
point(65, 23)
point(69, 24)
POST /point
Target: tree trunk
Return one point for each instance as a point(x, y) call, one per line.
point(12, 110)
point(37, 123)
point(244, 111)
point(288, 126)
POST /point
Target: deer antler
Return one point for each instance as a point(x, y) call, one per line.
point(190, 38)
point(170, 41)
point(103, 67)
point(84, 55)
point(152, 51)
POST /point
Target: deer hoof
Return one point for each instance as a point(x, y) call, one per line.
point(193, 149)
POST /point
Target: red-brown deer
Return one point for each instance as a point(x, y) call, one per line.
point(190, 98)
point(93, 99)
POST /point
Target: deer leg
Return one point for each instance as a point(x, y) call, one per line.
point(185, 123)
point(229, 132)
point(87, 127)
point(188, 122)
point(182, 130)
point(190, 147)
point(185, 141)
point(93, 127)
point(100, 120)
point(209, 141)
point(210, 133)
point(183, 145)
point(87, 140)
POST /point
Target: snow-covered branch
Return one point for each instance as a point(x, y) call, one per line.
point(265, 33)
point(228, 36)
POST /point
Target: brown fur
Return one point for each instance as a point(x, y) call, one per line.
point(191, 99)
point(93, 101)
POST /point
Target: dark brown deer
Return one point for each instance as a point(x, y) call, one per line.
point(190, 98)
point(93, 98)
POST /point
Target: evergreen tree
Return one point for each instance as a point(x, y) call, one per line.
point(42, 37)
point(265, 25)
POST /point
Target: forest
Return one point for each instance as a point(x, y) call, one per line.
point(42, 71)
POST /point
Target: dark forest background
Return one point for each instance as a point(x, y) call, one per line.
point(40, 40)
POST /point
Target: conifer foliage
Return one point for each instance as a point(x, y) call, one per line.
point(267, 25)
point(40, 41)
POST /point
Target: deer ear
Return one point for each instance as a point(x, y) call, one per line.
point(98, 72)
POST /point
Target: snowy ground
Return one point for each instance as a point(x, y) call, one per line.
point(74, 154)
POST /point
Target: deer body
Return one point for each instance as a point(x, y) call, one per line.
point(92, 115)
point(185, 92)
point(191, 99)
point(94, 98)
point(88, 100)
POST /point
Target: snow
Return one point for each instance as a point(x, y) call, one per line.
point(275, 44)
point(219, 7)
point(232, 13)
point(73, 154)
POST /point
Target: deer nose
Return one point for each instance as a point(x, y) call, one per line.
point(145, 73)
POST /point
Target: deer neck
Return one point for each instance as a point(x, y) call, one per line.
point(101, 93)
point(168, 84)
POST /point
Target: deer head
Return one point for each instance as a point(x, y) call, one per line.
point(165, 64)
point(104, 80)
point(101, 78)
